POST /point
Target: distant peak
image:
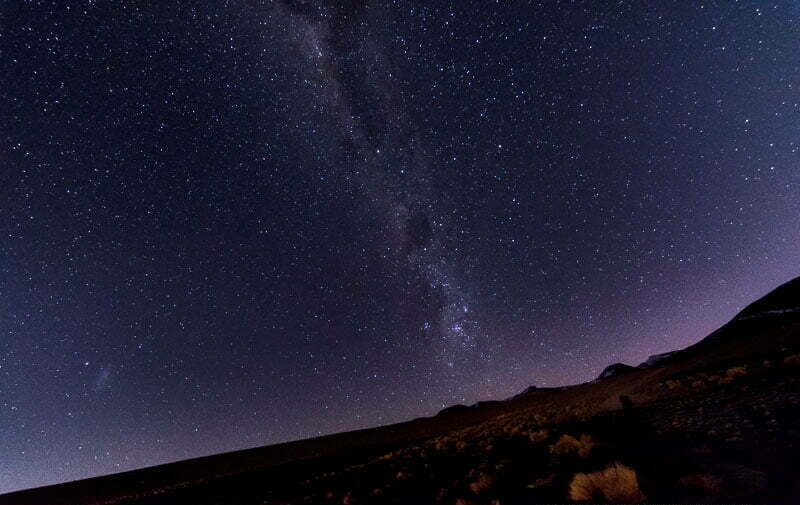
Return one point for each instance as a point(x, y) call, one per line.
point(656, 358)
point(784, 299)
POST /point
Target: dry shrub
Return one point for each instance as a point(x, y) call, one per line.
point(793, 360)
point(616, 483)
point(568, 444)
point(386, 457)
point(442, 444)
point(542, 482)
point(512, 430)
point(539, 436)
point(673, 384)
point(702, 482)
point(484, 483)
point(737, 371)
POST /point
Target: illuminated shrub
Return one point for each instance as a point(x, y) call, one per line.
point(482, 484)
point(539, 436)
point(736, 371)
point(616, 483)
point(568, 444)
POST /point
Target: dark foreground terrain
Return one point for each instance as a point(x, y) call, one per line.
point(714, 423)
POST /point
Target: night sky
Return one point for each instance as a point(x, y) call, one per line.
point(230, 224)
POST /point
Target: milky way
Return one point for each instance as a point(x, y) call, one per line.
point(384, 159)
point(230, 224)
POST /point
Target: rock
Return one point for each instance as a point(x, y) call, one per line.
point(656, 358)
point(615, 370)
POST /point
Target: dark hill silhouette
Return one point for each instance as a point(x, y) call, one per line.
point(783, 301)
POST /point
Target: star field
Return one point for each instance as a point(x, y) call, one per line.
point(229, 224)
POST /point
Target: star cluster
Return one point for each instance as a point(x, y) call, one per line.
point(229, 224)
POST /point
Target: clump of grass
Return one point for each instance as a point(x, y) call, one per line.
point(483, 484)
point(387, 457)
point(616, 483)
point(539, 436)
point(568, 444)
point(736, 371)
point(728, 375)
point(673, 384)
point(542, 481)
point(731, 374)
point(513, 429)
point(403, 475)
point(793, 360)
point(702, 482)
point(442, 444)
